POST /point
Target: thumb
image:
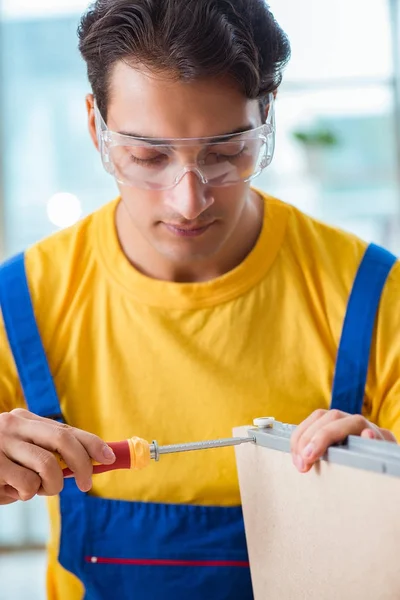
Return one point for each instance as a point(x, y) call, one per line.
point(370, 434)
point(377, 433)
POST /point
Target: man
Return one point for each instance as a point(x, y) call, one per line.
point(191, 304)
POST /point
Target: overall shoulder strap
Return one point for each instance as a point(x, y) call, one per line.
point(25, 341)
point(355, 344)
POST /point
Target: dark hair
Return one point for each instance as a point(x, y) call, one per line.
point(188, 39)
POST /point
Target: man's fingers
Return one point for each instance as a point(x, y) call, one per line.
point(39, 461)
point(324, 428)
point(332, 428)
point(303, 447)
point(25, 414)
point(15, 477)
point(77, 448)
point(302, 428)
point(59, 439)
point(9, 492)
point(376, 433)
point(331, 433)
point(8, 495)
point(369, 434)
point(97, 449)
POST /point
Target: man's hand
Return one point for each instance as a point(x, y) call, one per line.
point(28, 466)
point(323, 428)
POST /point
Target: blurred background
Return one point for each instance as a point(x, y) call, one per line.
point(337, 158)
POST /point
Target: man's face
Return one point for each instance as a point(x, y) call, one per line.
point(192, 221)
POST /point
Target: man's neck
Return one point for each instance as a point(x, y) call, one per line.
point(152, 264)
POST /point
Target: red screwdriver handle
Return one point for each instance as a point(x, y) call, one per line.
point(123, 460)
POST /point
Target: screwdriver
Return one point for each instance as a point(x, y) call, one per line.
point(137, 453)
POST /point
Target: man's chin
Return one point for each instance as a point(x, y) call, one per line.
point(188, 254)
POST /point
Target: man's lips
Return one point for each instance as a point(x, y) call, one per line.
point(188, 230)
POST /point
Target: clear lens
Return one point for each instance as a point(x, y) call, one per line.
point(159, 167)
point(137, 163)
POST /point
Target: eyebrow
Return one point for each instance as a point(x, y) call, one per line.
point(213, 139)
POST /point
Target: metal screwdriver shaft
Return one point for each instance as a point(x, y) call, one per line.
point(156, 451)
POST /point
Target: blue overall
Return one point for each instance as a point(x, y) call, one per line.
point(147, 551)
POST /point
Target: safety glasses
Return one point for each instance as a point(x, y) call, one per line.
point(151, 164)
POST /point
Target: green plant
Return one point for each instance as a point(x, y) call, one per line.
point(317, 137)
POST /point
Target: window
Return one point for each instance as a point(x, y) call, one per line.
point(52, 174)
point(338, 135)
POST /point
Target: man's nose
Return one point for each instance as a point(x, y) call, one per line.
point(190, 197)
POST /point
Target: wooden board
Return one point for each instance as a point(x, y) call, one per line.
point(331, 534)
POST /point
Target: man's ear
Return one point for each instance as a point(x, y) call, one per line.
point(264, 105)
point(92, 120)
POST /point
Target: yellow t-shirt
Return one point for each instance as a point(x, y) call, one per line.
point(185, 362)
